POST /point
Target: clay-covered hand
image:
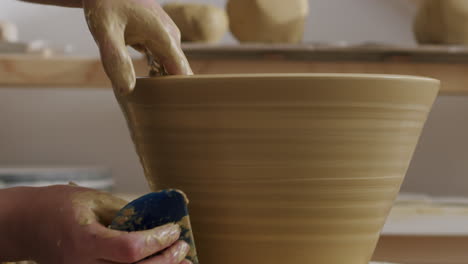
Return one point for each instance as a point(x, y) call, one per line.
point(71, 228)
point(139, 23)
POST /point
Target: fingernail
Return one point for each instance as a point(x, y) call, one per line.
point(124, 84)
point(179, 251)
point(164, 235)
point(169, 230)
point(122, 89)
point(118, 89)
point(174, 231)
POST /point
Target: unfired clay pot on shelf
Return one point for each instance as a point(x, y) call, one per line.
point(268, 21)
point(283, 168)
point(442, 22)
point(198, 22)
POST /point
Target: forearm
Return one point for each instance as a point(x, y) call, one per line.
point(15, 226)
point(66, 3)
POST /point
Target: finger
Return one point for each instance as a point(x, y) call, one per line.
point(171, 56)
point(166, 48)
point(176, 63)
point(173, 255)
point(185, 261)
point(116, 59)
point(129, 247)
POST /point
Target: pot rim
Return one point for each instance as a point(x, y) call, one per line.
point(335, 76)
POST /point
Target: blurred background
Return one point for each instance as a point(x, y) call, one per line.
point(75, 127)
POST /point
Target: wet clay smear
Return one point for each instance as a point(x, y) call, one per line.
point(156, 69)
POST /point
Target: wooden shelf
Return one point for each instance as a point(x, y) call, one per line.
point(425, 231)
point(448, 64)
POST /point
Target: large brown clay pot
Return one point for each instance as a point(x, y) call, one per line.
point(281, 169)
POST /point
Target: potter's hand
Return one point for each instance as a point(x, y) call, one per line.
point(139, 23)
point(67, 224)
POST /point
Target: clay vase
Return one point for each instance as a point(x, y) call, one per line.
point(283, 168)
point(8, 32)
point(268, 21)
point(442, 22)
point(198, 22)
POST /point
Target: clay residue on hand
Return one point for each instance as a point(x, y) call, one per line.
point(94, 206)
point(187, 236)
point(138, 23)
point(162, 234)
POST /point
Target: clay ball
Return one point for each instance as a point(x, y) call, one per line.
point(268, 21)
point(442, 22)
point(8, 32)
point(198, 22)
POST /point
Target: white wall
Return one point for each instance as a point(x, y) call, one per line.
point(330, 20)
point(85, 127)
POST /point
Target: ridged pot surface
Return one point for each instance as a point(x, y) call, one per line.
point(285, 168)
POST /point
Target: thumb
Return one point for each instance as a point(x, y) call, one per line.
point(116, 61)
point(130, 247)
